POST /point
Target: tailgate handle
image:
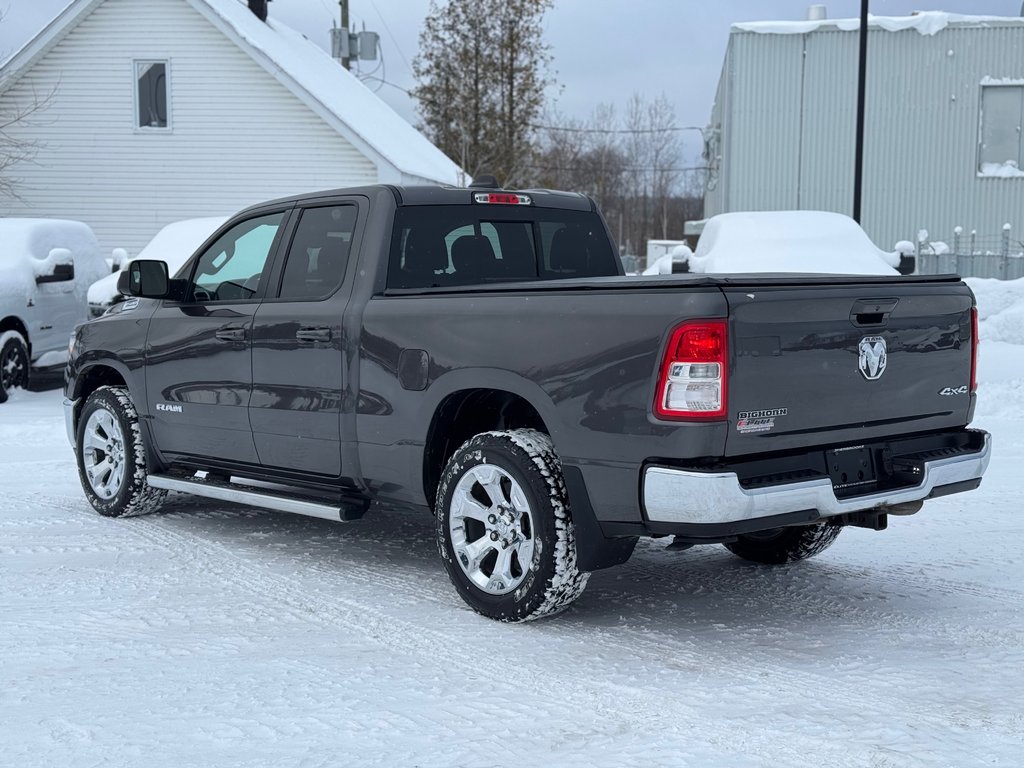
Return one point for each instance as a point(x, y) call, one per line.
point(872, 311)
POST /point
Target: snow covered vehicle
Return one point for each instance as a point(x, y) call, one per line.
point(46, 266)
point(173, 244)
point(479, 352)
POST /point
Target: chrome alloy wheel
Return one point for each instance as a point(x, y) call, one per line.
point(491, 527)
point(103, 453)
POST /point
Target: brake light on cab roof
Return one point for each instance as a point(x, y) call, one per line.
point(502, 198)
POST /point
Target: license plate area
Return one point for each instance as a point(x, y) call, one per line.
point(852, 469)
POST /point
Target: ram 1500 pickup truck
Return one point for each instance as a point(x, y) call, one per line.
point(479, 352)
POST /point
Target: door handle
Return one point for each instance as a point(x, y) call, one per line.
point(320, 333)
point(231, 334)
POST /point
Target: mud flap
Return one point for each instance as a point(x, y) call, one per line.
point(594, 551)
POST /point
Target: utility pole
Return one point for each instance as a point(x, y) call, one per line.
point(348, 46)
point(858, 171)
point(344, 27)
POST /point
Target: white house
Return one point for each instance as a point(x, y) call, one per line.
point(161, 110)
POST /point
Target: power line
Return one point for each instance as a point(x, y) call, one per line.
point(391, 35)
point(686, 169)
point(567, 129)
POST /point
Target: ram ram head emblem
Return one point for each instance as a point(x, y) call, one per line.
point(872, 358)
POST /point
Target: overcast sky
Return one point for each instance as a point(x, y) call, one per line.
point(603, 50)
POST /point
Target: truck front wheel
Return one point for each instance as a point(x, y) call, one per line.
point(504, 528)
point(112, 457)
point(785, 545)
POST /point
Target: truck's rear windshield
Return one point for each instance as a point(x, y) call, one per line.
point(445, 245)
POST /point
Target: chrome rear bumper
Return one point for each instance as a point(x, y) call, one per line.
point(682, 496)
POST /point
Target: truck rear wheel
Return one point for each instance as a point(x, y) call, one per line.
point(112, 457)
point(14, 362)
point(785, 545)
point(504, 528)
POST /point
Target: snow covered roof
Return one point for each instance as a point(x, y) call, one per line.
point(304, 68)
point(924, 23)
point(301, 63)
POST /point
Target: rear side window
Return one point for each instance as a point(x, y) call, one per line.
point(439, 246)
point(319, 253)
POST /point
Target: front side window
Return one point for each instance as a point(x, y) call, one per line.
point(319, 253)
point(231, 269)
point(151, 94)
point(1002, 115)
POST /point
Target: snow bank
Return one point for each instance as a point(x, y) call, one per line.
point(1001, 351)
point(789, 241)
point(1000, 309)
point(926, 23)
point(173, 244)
point(32, 247)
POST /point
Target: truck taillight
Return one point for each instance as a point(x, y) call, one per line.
point(692, 380)
point(974, 349)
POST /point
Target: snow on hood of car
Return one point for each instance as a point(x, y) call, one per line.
point(789, 241)
point(31, 248)
point(173, 244)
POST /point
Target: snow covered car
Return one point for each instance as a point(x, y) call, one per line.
point(46, 266)
point(173, 244)
point(805, 242)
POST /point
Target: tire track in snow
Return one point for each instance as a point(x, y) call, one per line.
point(409, 638)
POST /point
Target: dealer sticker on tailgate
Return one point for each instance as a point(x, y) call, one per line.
point(748, 422)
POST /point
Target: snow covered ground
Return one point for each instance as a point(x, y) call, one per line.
point(212, 635)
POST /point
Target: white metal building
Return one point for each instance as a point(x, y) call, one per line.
point(161, 110)
point(944, 116)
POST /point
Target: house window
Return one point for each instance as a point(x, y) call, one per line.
point(151, 94)
point(1002, 115)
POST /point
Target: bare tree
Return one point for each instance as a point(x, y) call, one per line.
point(481, 76)
point(15, 149)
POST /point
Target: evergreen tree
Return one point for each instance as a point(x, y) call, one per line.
point(481, 75)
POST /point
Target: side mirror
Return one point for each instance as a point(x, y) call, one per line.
point(63, 268)
point(145, 278)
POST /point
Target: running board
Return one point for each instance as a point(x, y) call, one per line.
point(227, 491)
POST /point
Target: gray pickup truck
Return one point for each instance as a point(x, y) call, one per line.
point(479, 353)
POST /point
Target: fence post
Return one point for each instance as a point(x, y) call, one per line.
point(957, 233)
point(1003, 261)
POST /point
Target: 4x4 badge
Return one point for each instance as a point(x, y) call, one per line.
point(872, 358)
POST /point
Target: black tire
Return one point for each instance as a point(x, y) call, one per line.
point(785, 545)
point(14, 363)
point(131, 495)
point(550, 581)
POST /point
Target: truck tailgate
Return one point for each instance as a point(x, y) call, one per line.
point(846, 363)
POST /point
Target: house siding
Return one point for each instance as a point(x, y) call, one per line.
point(788, 126)
point(237, 135)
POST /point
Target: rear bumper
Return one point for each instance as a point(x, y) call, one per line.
point(685, 497)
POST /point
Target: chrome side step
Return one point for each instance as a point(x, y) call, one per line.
point(227, 491)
